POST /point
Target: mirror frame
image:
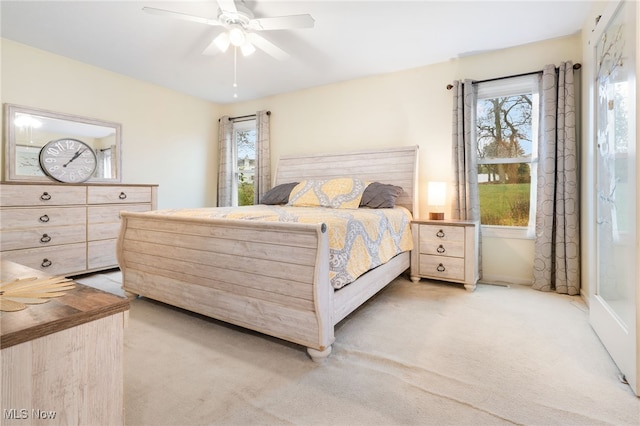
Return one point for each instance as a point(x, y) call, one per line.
point(10, 173)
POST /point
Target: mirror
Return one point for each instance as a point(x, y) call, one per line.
point(29, 129)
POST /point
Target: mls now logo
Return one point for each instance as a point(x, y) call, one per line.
point(23, 413)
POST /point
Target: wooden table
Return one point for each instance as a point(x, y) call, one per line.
point(62, 361)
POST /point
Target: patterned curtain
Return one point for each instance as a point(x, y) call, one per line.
point(262, 179)
point(466, 199)
point(557, 245)
point(225, 162)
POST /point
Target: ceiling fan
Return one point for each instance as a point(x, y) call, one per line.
point(241, 27)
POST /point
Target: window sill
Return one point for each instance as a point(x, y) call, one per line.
point(510, 232)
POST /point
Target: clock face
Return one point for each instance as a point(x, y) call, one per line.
point(68, 160)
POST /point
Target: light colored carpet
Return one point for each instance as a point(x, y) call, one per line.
point(416, 354)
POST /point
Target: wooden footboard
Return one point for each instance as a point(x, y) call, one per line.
point(270, 277)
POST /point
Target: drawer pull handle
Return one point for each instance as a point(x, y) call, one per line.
point(44, 218)
point(440, 268)
point(45, 196)
point(46, 263)
point(440, 234)
point(45, 238)
point(122, 196)
point(440, 249)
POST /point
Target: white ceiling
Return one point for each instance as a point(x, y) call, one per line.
point(350, 39)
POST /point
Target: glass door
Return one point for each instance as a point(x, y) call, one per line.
point(613, 304)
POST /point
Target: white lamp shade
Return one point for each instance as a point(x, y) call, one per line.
point(222, 42)
point(437, 195)
point(247, 49)
point(237, 36)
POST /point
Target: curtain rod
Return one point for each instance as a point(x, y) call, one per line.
point(240, 117)
point(575, 67)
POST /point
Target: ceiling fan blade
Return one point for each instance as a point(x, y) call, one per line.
point(283, 22)
point(227, 6)
point(268, 47)
point(183, 16)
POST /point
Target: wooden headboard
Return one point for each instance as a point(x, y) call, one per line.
point(396, 166)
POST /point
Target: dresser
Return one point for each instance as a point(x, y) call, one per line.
point(63, 361)
point(64, 229)
point(445, 250)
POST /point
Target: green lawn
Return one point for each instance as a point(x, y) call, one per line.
point(504, 204)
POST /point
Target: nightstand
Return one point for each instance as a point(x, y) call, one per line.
point(445, 250)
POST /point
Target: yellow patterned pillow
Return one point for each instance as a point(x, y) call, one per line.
point(338, 193)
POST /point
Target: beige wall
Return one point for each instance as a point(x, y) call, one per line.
point(168, 138)
point(410, 107)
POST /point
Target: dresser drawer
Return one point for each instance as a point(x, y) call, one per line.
point(42, 195)
point(118, 194)
point(35, 238)
point(442, 248)
point(55, 260)
point(441, 233)
point(102, 254)
point(442, 268)
point(41, 217)
point(104, 221)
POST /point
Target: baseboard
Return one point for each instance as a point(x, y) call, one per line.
point(584, 296)
point(504, 280)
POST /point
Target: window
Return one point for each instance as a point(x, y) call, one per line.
point(506, 134)
point(244, 137)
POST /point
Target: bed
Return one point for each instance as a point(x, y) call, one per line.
point(269, 276)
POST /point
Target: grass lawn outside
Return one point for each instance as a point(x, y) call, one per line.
point(504, 204)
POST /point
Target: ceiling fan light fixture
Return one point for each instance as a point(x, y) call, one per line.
point(237, 37)
point(222, 42)
point(247, 49)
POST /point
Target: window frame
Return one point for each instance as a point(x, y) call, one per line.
point(503, 88)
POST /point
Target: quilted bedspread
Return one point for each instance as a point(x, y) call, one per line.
point(359, 239)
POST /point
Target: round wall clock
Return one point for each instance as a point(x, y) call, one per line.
point(68, 160)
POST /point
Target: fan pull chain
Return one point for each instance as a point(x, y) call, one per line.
point(235, 71)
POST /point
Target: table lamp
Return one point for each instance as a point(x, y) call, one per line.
point(437, 196)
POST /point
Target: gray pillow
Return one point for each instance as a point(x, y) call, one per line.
point(278, 194)
point(380, 196)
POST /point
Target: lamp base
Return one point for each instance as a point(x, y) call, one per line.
point(436, 216)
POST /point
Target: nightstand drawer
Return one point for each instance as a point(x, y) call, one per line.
point(442, 268)
point(441, 233)
point(440, 248)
